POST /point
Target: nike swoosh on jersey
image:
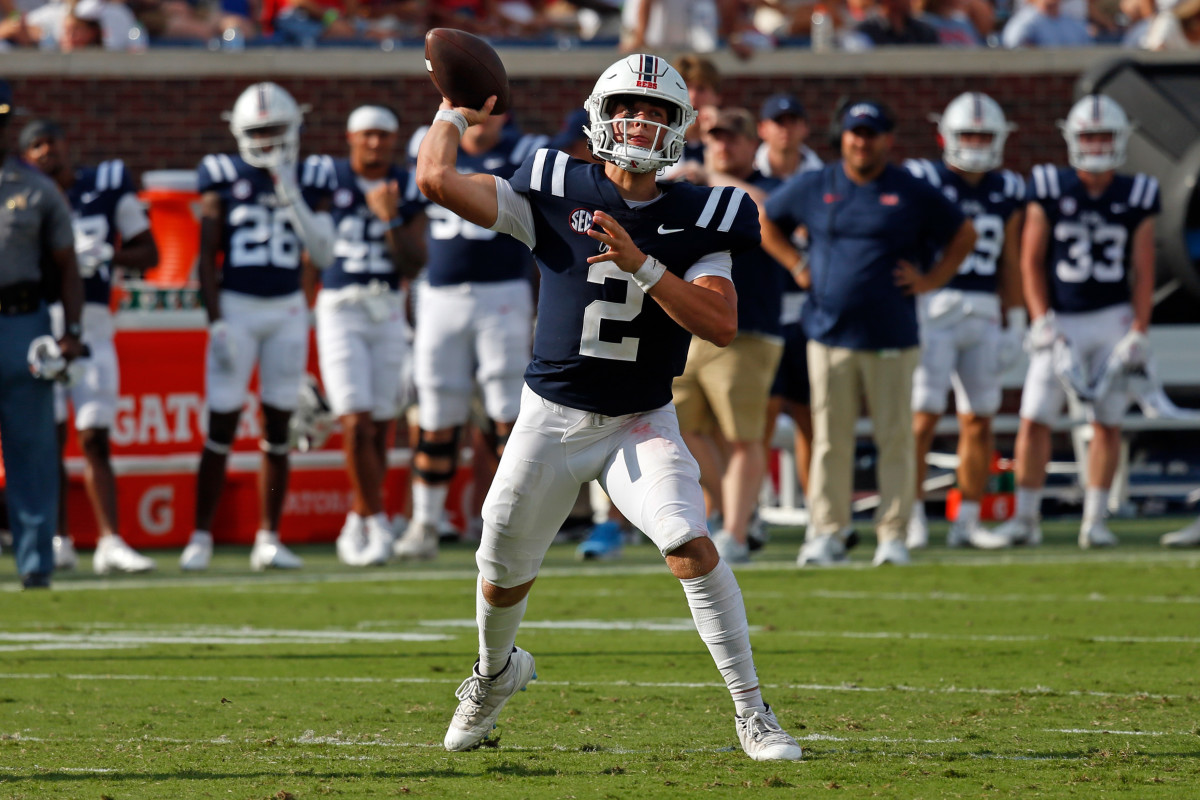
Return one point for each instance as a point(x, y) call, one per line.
point(661, 229)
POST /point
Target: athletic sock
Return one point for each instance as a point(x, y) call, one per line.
point(1029, 503)
point(968, 513)
point(1095, 505)
point(428, 502)
point(720, 616)
point(497, 631)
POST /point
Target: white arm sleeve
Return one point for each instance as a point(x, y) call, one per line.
point(719, 264)
point(514, 214)
point(131, 216)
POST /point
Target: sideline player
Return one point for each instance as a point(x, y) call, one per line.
point(111, 230)
point(962, 343)
point(474, 323)
point(361, 330)
point(253, 212)
point(1088, 231)
point(614, 324)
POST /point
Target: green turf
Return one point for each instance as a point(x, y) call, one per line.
point(1036, 673)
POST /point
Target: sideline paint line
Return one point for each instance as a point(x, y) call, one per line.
point(1035, 691)
point(960, 597)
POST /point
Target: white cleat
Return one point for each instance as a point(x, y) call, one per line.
point(481, 699)
point(1188, 537)
point(419, 542)
point(1021, 532)
point(730, 549)
point(892, 551)
point(198, 553)
point(763, 739)
point(963, 535)
point(65, 556)
point(270, 553)
point(378, 550)
point(113, 555)
point(1096, 534)
point(918, 528)
point(352, 541)
point(821, 551)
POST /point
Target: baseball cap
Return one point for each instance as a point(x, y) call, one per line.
point(777, 105)
point(372, 118)
point(571, 130)
point(90, 10)
point(867, 114)
point(735, 120)
point(6, 100)
point(38, 129)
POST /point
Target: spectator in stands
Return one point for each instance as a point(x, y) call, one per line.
point(475, 16)
point(729, 386)
point(703, 80)
point(1176, 26)
point(1041, 23)
point(861, 317)
point(70, 26)
point(111, 231)
point(1090, 304)
point(890, 23)
point(304, 22)
point(657, 25)
point(953, 24)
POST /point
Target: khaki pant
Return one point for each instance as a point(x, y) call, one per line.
point(840, 378)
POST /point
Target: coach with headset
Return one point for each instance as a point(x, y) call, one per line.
point(35, 230)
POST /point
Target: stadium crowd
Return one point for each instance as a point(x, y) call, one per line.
point(894, 283)
point(745, 26)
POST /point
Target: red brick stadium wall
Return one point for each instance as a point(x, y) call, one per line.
point(171, 123)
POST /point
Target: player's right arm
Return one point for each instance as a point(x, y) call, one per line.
point(471, 196)
point(211, 230)
point(1035, 235)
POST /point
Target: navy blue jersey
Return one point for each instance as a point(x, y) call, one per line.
point(600, 345)
point(857, 235)
point(94, 196)
point(360, 252)
point(262, 250)
point(990, 204)
point(759, 281)
point(1091, 238)
point(461, 251)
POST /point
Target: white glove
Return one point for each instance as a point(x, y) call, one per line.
point(287, 189)
point(1009, 348)
point(91, 253)
point(222, 346)
point(1133, 351)
point(1042, 333)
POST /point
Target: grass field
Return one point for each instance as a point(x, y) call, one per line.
point(1038, 673)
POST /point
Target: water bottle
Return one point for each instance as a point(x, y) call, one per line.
point(138, 39)
point(823, 34)
point(232, 38)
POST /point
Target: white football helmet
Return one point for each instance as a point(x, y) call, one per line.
point(1096, 113)
point(973, 112)
point(641, 76)
point(266, 105)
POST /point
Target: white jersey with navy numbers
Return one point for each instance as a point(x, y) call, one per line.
point(360, 251)
point(600, 344)
point(104, 207)
point(1091, 238)
point(990, 204)
point(261, 248)
point(463, 252)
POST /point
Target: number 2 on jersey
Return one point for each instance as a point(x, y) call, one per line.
point(599, 310)
point(262, 237)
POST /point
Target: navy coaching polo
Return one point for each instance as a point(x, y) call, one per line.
point(856, 235)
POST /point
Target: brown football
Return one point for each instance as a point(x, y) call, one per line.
point(465, 69)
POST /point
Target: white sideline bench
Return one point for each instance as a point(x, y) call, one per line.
point(1177, 355)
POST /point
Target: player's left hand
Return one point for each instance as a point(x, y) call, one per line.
point(910, 279)
point(384, 200)
point(1134, 349)
point(621, 249)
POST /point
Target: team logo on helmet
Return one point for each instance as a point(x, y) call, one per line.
point(581, 221)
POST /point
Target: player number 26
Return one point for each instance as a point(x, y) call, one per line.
point(263, 237)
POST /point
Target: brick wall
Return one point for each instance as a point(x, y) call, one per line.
point(171, 123)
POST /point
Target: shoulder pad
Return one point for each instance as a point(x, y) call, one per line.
point(547, 171)
point(722, 208)
point(215, 170)
point(1144, 193)
point(319, 172)
point(1044, 182)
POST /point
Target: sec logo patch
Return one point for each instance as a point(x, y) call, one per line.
point(343, 197)
point(581, 220)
